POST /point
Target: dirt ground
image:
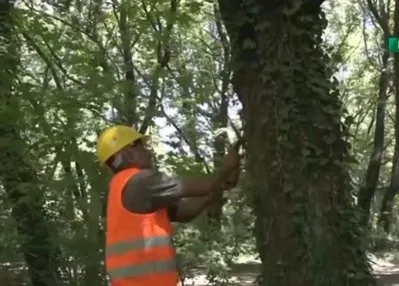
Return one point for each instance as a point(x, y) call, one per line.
point(386, 270)
point(246, 269)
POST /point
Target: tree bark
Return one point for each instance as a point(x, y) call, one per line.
point(387, 201)
point(296, 150)
point(17, 175)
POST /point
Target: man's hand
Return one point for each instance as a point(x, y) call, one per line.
point(231, 167)
point(231, 160)
point(232, 180)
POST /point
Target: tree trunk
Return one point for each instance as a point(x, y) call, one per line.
point(95, 273)
point(387, 201)
point(17, 176)
point(366, 193)
point(296, 151)
point(220, 120)
point(127, 112)
point(215, 209)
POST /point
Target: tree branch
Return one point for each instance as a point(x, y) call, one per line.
point(163, 58)
point(383, 23)
point(192, 147)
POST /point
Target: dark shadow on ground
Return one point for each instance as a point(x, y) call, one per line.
point(390, 279)
point(246, 274)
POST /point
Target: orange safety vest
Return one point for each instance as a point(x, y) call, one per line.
point(139, 249)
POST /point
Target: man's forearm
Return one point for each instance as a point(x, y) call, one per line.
point(189, 208)
point(200, 187)
point(198, 193)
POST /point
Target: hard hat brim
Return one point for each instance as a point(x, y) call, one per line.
point(142, 137)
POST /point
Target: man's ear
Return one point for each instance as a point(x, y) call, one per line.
point(130, 155)
point(117, 161)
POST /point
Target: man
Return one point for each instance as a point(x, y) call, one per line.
point(141, 205)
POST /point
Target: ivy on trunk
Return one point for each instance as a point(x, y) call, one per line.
point(295, 144)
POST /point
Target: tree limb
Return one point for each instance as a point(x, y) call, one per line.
point(163, 58)
point(383, 23)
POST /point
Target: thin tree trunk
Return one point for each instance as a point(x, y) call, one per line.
point(94, 270)
point(220, 120)
point(366, 193)
point(127, 112)
point(215, 209)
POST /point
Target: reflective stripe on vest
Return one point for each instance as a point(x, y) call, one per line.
point(138, 244)
point(143, 268)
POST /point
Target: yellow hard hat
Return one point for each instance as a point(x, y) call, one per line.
point(114, 139)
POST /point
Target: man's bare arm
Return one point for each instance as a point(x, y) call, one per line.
point(148, 191)
point(189, 208)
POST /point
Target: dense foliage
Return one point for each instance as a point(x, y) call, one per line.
point(195, 78)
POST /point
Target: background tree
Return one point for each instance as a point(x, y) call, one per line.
point(391, 191)
point(18, 177)
point(380, 13)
